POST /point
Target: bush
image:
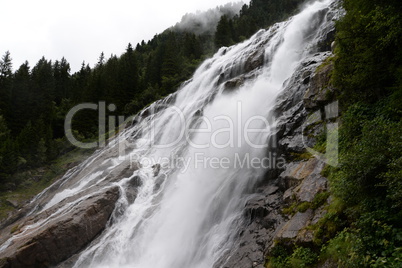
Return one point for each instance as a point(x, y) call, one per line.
point(281, 257)
point(302, 257)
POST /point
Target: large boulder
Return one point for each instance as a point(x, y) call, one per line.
point(255, 61)
point(48, 244)
point(296, 224)
point(303, 180)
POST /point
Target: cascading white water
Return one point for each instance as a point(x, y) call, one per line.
point(190, 223)
point(187, 215)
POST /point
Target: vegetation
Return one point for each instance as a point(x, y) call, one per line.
point(318, 201)
point(26, 184)
point(298, 257)
point(368, 72)
point(363, 224)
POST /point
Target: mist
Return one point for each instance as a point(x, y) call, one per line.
point(205, 22)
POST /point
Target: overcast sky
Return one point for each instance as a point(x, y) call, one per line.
point(81, 29)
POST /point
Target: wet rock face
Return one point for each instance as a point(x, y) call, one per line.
point(264, 219)
point(61, 228)
point(63, 236)
point(320, 90)
point(295, 224)
point(291, 110)
point(255, 61)
point(234, 83)
point(261, 219)
point(301, 181)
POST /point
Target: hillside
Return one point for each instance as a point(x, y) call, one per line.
point(359, 212)
point(35, 100)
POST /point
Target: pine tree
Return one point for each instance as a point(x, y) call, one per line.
point(22, 99)
point(128, 78)
point(6, 65)
point(224, 32)
point(8, 159)
point(5, 85)
point(43, 87)
point(101, 60)
point(61, 72)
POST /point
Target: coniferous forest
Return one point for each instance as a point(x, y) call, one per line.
point(363, 226)
point(34, 99)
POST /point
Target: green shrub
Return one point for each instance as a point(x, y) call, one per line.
point(303, 207)
point(343, 249)
point(319, 200)
point(302, 257)
point(282, 257)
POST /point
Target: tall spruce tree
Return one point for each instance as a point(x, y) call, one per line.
point(5, 85)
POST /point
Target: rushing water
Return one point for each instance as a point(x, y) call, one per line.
point(196, 151)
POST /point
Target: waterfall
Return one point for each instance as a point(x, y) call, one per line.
point(195, 156)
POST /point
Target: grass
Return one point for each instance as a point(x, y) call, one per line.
point(282, 256)
point(318, 201)
point(332, 222)
point(301, 156)
point(44, 177)
point(325, 63)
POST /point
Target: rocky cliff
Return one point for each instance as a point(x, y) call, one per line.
point(54, 240)
point(280, 208)
point(37, 236)
point(289, 201)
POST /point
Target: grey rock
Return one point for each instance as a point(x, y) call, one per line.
point(303, 180)
point(131, 189)
point(156, 169)
point(297, 181)
point(13, 203)
point(320, 88)
point(234, 83)
point(254, 61)
point(47, 245)
point(296, 224)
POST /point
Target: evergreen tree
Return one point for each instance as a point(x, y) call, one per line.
point(5, 167)
point(191, 47)
point(224, 32)
point(80, 81)
point(61, 72)
point(171, 64)
point(101, 60)
point(22, 99)
point(6, 84)
point(128, 77)
point(8, 159)
point(43, 89)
